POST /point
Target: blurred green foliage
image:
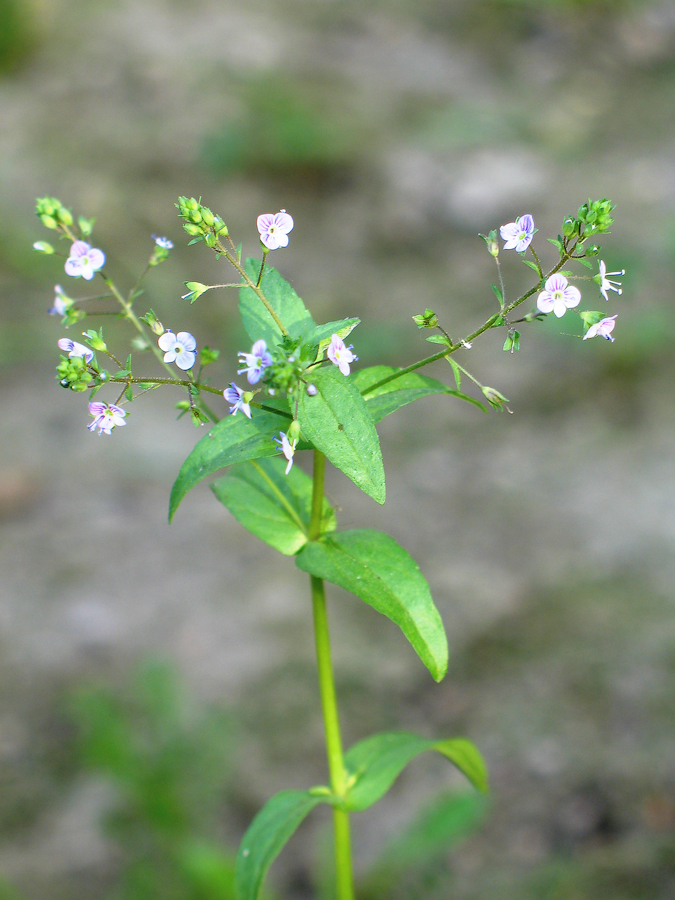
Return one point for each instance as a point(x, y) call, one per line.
point(169, 768)
point(16, 33)
point(283, 126)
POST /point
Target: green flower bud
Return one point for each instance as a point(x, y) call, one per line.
point(49, 221)
point(569, 226)
point(64, 216)
point(192, 230)
point(207, 216)
point(293, 432)
point(43, 247)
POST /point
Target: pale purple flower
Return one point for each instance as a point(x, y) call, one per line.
point(84, 260)
point(605, 283)
point(255, 362)
point(106, 417)
point(558, 296)
point(163, 242)
point(287, 448)
point(72, 348)
point(518, 235)
point(340, 355)
point(274, 229)
point(62, 303)
point(603, 328)
point(179, 348)
point(235, 395)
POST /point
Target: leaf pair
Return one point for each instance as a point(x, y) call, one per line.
point(372, 766)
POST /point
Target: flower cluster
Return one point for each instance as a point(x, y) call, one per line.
point(558, 295)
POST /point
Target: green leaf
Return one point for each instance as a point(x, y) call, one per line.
point(532, 265)
point(337, 422)
point(375, 568)
point(439, 339)
point(234, 439)
point(375, 763)
point(498, 294)
point(270, 504)
point(283, 300)
point(266, 837)
point(401, 391)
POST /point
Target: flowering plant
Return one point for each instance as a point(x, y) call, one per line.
point(301, 396)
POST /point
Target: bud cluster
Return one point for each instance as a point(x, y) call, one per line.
point(52, 213)
point(592, 218)
point(200, 222)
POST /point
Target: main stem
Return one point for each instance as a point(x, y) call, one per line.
point(338, 776)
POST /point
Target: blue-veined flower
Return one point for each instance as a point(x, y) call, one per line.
point(72, 348)
point(558, 296)
point(518, 235)
point(255, 362)
point(106, 417)
point(62, 303)
point(274, 229)
point(235, 395)
point(605, 283)
point(84, 260)
point(179, 348)
point(340, 355)
point(603, 328)
point(287, 448)
point(164, 242)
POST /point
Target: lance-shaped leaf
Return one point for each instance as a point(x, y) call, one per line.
point(283, 300)
point(267, 835)
point(374, 764)
point(373, 566)
point(234, 439)
point(270, 504)
point(399, 392)
point(337, 422)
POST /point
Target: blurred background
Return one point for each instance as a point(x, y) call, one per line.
point(157, 682)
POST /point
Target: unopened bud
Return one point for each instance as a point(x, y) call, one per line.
point(293, 432)
point(312, 390)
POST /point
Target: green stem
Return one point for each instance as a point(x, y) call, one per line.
point(344, 882)
point(250, 283)
point(469, 338)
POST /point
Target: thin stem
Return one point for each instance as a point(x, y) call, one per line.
point(469, 338)
point(344, 881)
point(250, 283)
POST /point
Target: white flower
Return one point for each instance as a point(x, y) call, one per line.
point(235, 395)
point(605, 283)
point(340, 355)
point(62, 303)
point(603, 328)
point(287, 448)
point(106, 417)
point(179, 348)
point(274, 229)
point(72, 348)
point(84, 260)
point(255, 362)
point(164, 242)
point(518, 235)
point(558, 296)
